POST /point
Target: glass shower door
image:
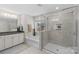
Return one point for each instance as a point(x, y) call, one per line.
point(69, 30)
point(62, 32)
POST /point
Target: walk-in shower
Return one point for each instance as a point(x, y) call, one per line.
point(61, 32)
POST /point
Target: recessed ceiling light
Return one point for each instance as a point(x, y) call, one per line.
point(57, 8)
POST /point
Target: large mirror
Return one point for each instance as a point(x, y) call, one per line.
point(8, 22)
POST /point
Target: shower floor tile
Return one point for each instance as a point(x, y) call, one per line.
point(58, 49)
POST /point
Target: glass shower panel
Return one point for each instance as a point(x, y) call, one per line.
point(55, 33)
point(62, 29)
point(69, 30)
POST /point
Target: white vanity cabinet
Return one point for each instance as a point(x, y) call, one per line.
point(15, 39)
point(18, 38)
point(8, 41)
point(1, 42)
point(21, 37)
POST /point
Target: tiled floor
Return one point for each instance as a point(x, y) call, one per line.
point(54, 48)
point(22, 49)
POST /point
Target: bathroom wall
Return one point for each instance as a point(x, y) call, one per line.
point(24, 21)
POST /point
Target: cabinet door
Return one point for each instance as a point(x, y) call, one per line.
point(8, 41)
point(1, 42)
point(21, 37)
point(15, 39)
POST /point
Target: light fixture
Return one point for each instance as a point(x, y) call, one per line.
point(57, 8)
point(8, 15)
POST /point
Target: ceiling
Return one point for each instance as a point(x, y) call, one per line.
point(34, 9)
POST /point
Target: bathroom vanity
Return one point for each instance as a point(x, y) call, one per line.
point(10, 39)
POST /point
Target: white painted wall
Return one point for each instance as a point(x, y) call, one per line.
point(25, 20)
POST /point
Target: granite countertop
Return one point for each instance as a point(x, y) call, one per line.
point(9, 33)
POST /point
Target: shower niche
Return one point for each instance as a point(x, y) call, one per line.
point(57, 27)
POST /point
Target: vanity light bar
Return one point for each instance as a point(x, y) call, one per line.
point(9, 15)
